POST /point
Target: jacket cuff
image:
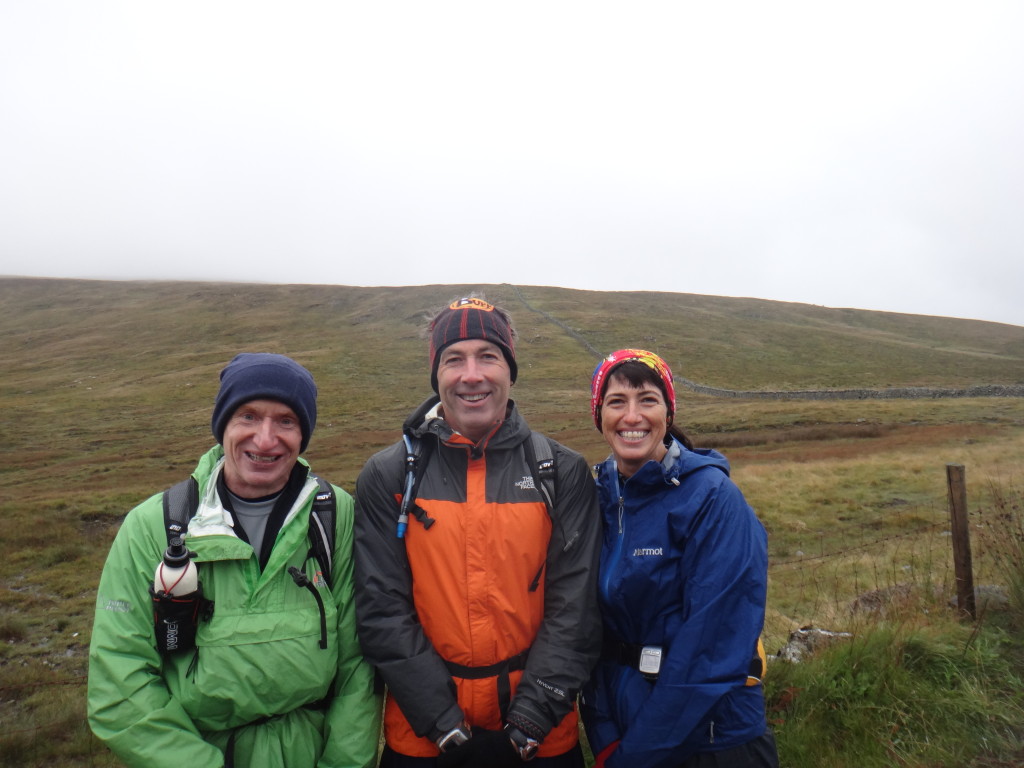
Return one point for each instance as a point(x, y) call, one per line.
point(451, 719)
point(526, 725)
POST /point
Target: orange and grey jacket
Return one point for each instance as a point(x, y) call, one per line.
point(494, 603)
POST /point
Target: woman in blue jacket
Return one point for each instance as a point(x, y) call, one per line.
point(683, 583)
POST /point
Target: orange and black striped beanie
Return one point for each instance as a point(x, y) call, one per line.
point(470, 319)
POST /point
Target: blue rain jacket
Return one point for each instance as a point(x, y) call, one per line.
point(683, 567)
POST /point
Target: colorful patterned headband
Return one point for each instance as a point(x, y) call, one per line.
point(613, 361)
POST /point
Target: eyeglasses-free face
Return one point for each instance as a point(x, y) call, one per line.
point(634, 422)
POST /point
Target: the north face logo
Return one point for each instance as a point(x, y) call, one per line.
point(526, 484)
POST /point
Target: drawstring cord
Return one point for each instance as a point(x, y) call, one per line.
point(303, 581)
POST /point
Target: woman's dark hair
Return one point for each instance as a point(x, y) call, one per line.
point(636, 375)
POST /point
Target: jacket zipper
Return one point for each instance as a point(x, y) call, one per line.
point(613, 561)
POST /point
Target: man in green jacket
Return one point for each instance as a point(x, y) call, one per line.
point(259, 686)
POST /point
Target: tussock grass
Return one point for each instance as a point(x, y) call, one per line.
point(46, 726)
point(13, 629)
point(910, 693)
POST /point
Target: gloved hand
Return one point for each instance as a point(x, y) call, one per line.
point(605, 754)
point(485, 749)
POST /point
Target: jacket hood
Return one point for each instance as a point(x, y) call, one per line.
point(678, 463)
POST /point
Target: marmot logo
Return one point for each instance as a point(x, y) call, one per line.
point(526, 484)
point(645, 551)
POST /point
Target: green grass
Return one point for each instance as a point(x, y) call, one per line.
point(106, 393)
point(899, 694)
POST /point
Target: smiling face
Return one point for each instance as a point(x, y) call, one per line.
point(634, 422)
point(473, 380)
point(261, 445)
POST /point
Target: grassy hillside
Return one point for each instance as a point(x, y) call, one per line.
point(106, 391)
point(138, 351)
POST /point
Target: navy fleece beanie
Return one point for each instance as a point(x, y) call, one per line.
point(264, 376)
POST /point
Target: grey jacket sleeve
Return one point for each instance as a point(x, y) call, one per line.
point(390, 633)
point(569, 640)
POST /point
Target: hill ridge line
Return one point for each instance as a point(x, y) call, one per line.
point(889, 393)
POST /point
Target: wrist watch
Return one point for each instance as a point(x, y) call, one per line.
point(526, 747)
point(455, 737)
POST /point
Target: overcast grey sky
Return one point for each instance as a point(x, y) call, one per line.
point(863, 154)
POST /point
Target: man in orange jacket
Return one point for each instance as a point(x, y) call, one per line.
point(481, 616)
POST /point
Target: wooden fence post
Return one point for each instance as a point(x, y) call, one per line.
point(962, 566)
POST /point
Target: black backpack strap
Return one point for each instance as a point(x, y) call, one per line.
point(416, 460)
point(542, 459)
point(321, 534)
point(322, 526)
point(180, 503)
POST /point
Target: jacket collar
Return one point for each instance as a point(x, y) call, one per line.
point(677, 463)
point(426, 420)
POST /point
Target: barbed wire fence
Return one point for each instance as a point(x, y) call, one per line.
point(803, 562)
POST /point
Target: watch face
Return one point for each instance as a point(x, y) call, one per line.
point(452, 739)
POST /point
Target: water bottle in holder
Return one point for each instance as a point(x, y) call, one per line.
point(177, 599)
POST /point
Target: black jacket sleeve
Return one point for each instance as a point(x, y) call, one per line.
point(389, 629)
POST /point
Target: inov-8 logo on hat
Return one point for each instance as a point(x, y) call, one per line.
point(473, 303)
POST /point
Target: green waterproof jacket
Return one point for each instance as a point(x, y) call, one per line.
point(258, 676)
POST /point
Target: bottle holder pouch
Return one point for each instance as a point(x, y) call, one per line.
point(175, 618)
